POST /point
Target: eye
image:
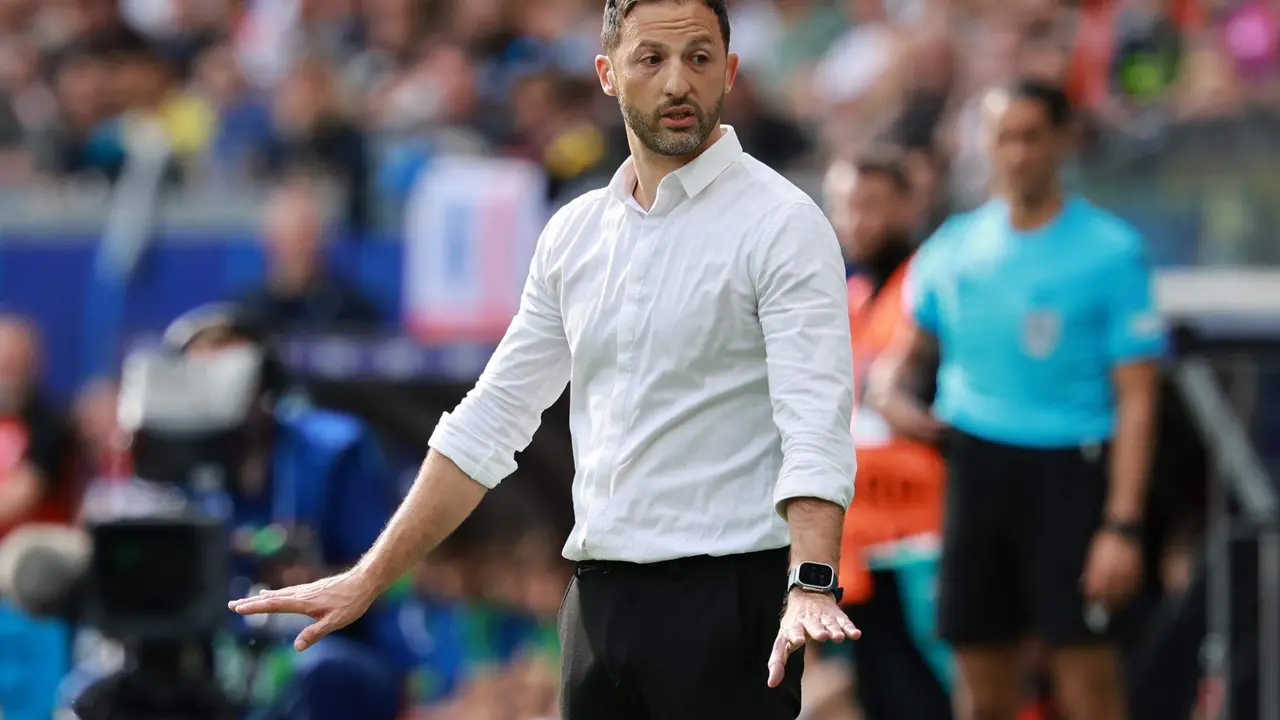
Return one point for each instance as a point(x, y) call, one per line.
point(701, 59)
point(650, 60)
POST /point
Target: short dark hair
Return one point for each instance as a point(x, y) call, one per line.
point(887, 162)
point(615, 11)
point(1052, 97)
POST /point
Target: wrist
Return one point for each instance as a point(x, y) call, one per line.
point(372, 579)
point(798, 593)
point(1131, 530)
point(1123, 513)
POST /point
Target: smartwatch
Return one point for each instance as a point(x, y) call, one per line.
point(815, 577)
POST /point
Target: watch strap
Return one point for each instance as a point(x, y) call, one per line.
point(1127, 529)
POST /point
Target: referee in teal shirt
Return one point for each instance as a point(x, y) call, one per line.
point(1038, 306)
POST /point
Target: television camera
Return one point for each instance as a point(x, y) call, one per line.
point(157, 577)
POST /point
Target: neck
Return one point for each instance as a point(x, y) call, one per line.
point(880, 267)
point(651, 167)
point(292, 283)
point(1025, 215)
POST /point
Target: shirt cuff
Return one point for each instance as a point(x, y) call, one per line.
point(1140, 351)
point(478, 459)
point(831, 486)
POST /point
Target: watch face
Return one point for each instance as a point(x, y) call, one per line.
point(816, 575)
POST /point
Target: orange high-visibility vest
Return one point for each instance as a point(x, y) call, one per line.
point(900, 482)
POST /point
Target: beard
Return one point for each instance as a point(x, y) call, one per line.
point(671, 142)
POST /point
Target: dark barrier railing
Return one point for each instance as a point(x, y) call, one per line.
point(1242, 565)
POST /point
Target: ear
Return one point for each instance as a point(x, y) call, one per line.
point(731, 71)
point(604, 71)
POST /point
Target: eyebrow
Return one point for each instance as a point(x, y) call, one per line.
point(697, 42)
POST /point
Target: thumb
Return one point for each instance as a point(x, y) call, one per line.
point(777, 670)
point(1091, 581)
point(778, 660)
point(312, 634)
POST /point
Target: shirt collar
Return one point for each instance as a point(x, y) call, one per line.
point(694, 177)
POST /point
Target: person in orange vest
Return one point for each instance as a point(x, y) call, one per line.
point(889, 554)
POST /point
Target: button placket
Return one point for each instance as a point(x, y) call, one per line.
point(591, 483)
point(602, 482)
point(638, 298)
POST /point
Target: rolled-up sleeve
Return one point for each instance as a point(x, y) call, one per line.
point(803, 308)
point(525, 375)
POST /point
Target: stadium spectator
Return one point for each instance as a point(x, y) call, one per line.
point(63, 146)
point(553, 125)
point(1149, 48)
point(432, 107)
point(100, 451)
point(243, 132)
point(1251, 34)
point(25, 103)
point(300, 295)
point(773, 136)
point(889, 558)
point(313, 132)
point(158, 112)
point(35, 446)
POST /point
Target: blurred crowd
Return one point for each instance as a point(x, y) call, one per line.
point(366, 93)
point(369, 91)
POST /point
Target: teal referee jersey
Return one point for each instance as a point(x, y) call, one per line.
point(1031, 324)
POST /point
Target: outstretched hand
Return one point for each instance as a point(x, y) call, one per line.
point(809, 616)
point(334, 603)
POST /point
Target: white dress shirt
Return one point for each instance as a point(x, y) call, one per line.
point(707, 343)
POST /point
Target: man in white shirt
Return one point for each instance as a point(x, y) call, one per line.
point(698, 307)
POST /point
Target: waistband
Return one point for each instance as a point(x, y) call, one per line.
point(780, 557)
point(952, 436)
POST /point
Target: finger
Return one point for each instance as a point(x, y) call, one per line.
point(778, 660)
point(262, 595)
point(283, 605)
point(795, 634)
point(235, 603)
point(834, 631)
point(312, 634)
point(814, 628)
point(851, 631)
point(1089, 584)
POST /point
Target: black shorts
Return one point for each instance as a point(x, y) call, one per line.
point(1016, 531)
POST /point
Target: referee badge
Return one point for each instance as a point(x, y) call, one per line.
point(1041, 333)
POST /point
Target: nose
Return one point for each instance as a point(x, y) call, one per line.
point(676, 81)
point(1019, 154)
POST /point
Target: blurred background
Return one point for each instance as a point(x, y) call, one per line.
point(369, 176)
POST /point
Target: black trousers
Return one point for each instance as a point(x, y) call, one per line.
point(683, 639)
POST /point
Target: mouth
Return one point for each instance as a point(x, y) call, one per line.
point(679, 117)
